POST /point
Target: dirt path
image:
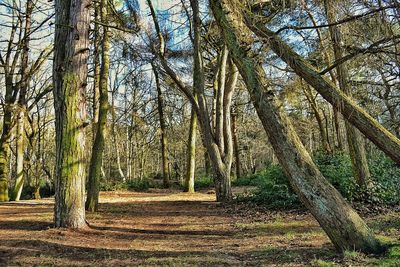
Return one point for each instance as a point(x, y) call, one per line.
point(160, 228)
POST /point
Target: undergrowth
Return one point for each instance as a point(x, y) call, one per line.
point(274, 191)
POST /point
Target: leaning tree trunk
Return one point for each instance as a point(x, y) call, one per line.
point(71, 47)
point(341, 223)
point(357, 116)
point(96, 159)
point(354, 139)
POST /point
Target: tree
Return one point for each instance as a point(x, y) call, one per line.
point(71, 44)
point(163, 138)
point(96, 159)
point(16, 82)
point(354, 138)
point(19, 182)
point(357, 116)
point(191, 153)
point(219, 142)
point(341, 223)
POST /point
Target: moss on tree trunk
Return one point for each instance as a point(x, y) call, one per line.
point(70, 79)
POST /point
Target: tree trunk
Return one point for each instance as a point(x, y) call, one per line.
point(19, 181)
point(96, 159)
point(236, 145)
point(207, 166)
point(163, 138)
point(314, 107)
point(191, 154)
point(4, 160)
point(341, 223)
point(96, 71)
point(357, 116)
point(354, 138)
point(338, 129)
point(115, 141)
point(71, 46)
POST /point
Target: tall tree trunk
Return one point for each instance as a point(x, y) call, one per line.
point(341, 223)
point(163, 138)
point(357, 116)
point(5, 154)
point(338, 132)
point(96, 159)
point(115, 141)
point(71, 46)
point(236, 145)
point(9, 101)
point(191, 154)
point(96, 71)
point(207, 166)
point(314, 107)
point(354, 138)
point(19, 181)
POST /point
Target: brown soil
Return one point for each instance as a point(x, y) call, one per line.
point(160, 228)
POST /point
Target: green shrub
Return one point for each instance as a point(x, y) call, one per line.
point(386, 176)
point(46, 189)
point(135, 185)
point(112, 185)
point(204, 181)
point(337, 169)
point(140, 185)
point(273, 189)
point(385, 185)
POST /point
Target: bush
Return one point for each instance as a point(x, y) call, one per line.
point(337, 169)
point(386, 176)
point(46, 189)
point(273, 189)
point(135, 185)
point(140, 185)
point(202, 182)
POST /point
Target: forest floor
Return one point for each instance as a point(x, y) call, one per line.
point(169, 228)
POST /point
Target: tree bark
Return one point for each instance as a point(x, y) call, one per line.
point(96, 159)
point(341, 223)
point(357, 116)
point(71, 46)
